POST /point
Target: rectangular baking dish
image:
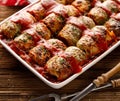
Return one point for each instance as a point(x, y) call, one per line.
point(71, 78)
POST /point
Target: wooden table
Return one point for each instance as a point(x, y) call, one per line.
point(18, 84)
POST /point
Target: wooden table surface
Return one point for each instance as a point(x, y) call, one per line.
point(17, 83)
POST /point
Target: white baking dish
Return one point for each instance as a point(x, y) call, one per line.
point(65, 82)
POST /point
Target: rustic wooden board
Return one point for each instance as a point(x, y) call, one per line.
point(18, 84)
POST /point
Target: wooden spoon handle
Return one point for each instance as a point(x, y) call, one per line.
point(106, 76)
point(115, 83)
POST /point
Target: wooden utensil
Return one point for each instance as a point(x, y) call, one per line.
point(106, 76)
point(98, 82)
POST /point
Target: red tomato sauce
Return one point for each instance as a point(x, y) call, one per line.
point(76, 68)
point(76, 22)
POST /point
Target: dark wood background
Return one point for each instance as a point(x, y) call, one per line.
point(18, 84)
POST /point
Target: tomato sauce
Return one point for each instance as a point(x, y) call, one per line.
point(24, 19)
point(75, 66)
point(102, 44)
point(106, 8)
point(35, 36)
point(75, 21)
point(99, 39)
point(52, 48)
point(47, 4)
point(1, 36)
point(95, 3)
point(58, 9)
point(116, 16)
point(20, 52)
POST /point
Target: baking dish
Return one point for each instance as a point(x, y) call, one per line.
point(71, 78)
